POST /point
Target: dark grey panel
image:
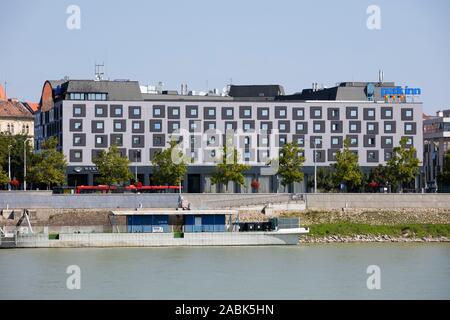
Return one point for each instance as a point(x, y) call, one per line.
point(112, 111)
point(384, 140)
point(171, 113)
point(372, 156)
point(153, 122)
point(393, 127)
point(358, 126)
point(296, 137)
point(95, 153)
point(311, 142)
point(206, 113)
point(124, 125)
point(319, 155)
point(224, 113)
point(375, 128)
point(383, 113)
point(82, 108)
point(242, 110)
point(305, 127)
point(135, 155)
point(72, 154)
point(348, 112)
point(159, 140)
point(82, 139)
point(339, 127)
point(104, 143)
point(278, 111)
point(207, 123)
point(339, 144)
point(387, 154)
point(188, 111)
point(260, 141)
point(94, 126)
point(171, 126)
point(322, 126)
point(101, 110)
point(287, 125)
point(233, 123)
point(330, 115)
point(413, 128)
point(141, 129)
point(332, 154)
point(366, 141)
point(162, 111)
point(72, 123)
point(269, 126)
point(198, 128)
point(131, 114)
point(116, 139)
point(366, 115)
point(141, 141)
point(296, 115)
point(278, 140)
point(251, 122)
point(312, 111)
point(350, 137)
point(260, 115)
point(405, 116)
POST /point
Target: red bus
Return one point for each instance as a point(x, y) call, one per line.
point(131, 188)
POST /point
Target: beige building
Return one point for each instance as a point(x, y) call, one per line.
point(16, 117)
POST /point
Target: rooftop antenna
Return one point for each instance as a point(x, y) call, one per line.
point(380, 76)
point(99, 73)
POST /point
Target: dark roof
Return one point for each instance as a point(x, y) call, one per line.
point(256, 91)
point(120, 90)
point(345, 91)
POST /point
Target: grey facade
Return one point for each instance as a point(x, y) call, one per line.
point(144, 126)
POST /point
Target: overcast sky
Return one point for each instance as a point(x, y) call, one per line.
point(206, 43)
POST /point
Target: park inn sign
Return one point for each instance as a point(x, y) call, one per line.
point(399, 91)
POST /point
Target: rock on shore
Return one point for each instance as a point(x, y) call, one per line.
point(368, 238)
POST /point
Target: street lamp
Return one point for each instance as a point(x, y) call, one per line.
point(136, 153)
point(315, 166)
point(25, 165)
point(9, 167)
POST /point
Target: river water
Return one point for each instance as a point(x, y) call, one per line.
point(326, 271)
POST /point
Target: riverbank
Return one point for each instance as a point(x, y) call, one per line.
point(357, 232)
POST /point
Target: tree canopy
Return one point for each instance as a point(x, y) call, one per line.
point(346, 168)
point(403, 166)
point(170, 165)
point(290, 164)
point(112, 167)
point(48, 166)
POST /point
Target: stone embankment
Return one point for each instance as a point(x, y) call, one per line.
point(369, 238)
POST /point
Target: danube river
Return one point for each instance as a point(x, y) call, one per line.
point(330, 271)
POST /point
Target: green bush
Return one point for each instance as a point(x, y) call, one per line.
point(53, 236)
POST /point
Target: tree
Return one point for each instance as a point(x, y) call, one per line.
point(379, 176)
point(17, 144)
point(49, 165)
point(290, 164)
point(229, 169)
point(4, 179)
point(325, 181)
point(170, 165)
point(346, 168)
point(112, 167)
point(403, 166)
point(444, 176)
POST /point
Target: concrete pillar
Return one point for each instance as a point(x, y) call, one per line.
point(90, 179)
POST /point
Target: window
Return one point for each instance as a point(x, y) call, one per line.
point(265, 112)
point(370, 127)
point(371, 141)
point(77, 111)
point(387, 127)
point(335, 113)
point(371, 113)
point(300, 126)
point(282, 113)
point(247, 126)
point(282, 127)
point(157, 112)
point(99, 126)
point(317, 127)
point(99, 111)
point(353, 141)
point(282, 141)
point(335, 141)
point(247, 113)
point(136, 112)
point(157, 126)
point(77, 125)
point(300, 141)
point(246, 141)
point(229, 126)
point(264, 141)
point(354, 113)
point(193, 126)
point(211, 112)
point(211, 126)
point(99, 140)
point(193, 112)
point(264, 126)
point(136, 125)
point(117, 140)
point(118, 125)
point(317, 113)
point(388, 113)
point(353, 127)
point(371, 155)
point(409, 113)
point(118, 111)
point(229, 112)
point(317, 142)
point(136, 140)
point(77, 140)
point(334, 127)
point(175, 126)
point(77, 155)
